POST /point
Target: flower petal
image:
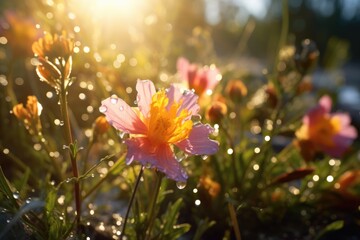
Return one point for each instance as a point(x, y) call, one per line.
point(188, 99)
point(209, 77)
point(121, 116)
point(198, 142)
point(325, 102)
point(161, 158)
point(146, 90)
point(182, 65)
point(344, 118)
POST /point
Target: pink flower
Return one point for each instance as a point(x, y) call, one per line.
point(326, 132)
point(201, 79)
point(161, 121)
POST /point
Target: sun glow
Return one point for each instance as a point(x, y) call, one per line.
point(122, 7)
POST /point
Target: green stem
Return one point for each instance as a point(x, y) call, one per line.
point(234, 221)
point(151, 210)
point(131, 201)
point(282, 40)
point(69, 140)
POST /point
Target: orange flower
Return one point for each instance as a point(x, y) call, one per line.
point(53, 47)
point(54, 54)
point(30, 114)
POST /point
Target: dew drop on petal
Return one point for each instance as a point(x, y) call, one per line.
point(114, 99)
point(180, 185)
point(196, 119)
point(121, 108)
point(16, 195)
point(103, 109)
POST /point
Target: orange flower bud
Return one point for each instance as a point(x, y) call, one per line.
point(216, 112)
point(236, 90)
point(101, 125)
point(305, 86)
point(212, 187)
point(272, 97)
point(30, 114)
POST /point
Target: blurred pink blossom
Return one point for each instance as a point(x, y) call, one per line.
point(201, 79)
point(327, 132)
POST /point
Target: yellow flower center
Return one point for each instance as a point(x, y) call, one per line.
point(167, 125)
point(322, 131)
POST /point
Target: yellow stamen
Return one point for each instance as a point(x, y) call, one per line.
point(167, 126)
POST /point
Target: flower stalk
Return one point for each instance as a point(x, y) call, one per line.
point(152, 205)
point(131, 201)
point(69, 140)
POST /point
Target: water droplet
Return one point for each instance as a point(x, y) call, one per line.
point(180, 156)
point(124, 135)
point(68, 180)
point(28, 200)
point(187, 92)
point(16, 195)
point(204, 157)
point(196, 119)
point(138, 98)
point(121, 108)
point(103, 109)
point(180, 185)
point(114, 99)
point(61, 123)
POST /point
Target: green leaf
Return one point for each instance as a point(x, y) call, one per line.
point(22, 211)
point(5, 188)
point(337, 225)
point(169, 229)
point(24, 180)
point(202, 227)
